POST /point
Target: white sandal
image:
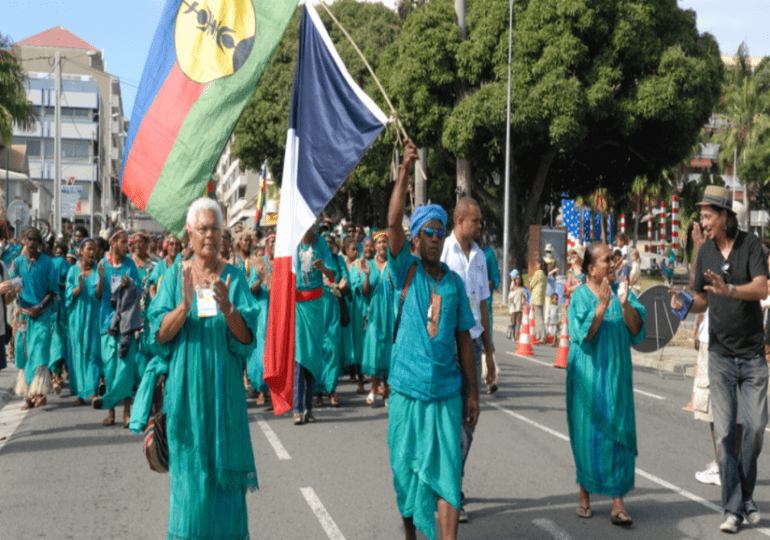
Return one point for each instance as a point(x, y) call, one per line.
point(370, 398)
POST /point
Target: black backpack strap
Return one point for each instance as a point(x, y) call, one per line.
point(409, 277)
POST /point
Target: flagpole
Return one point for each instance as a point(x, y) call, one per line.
point(507, 202)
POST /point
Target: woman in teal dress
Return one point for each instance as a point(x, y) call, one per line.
point(59, 354)
point(85, 364)
point(380, 320)
point(172, 247)
point(332, 346)
point(259, 282)
point(350, 256)
point(604, 320)
point(207, 338)
point(362, 288)
point(144, 267)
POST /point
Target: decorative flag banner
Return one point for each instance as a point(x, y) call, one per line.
point(331, 125)
point(571, 220)
point(204, 63)
point(610, 235)
point(586, 226)
point(262, 193)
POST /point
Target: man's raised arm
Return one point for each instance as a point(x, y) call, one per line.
point(397, 197)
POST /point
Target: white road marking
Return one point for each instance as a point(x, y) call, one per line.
point(10, 417)
point(273, 440)
point(332, 531)
point(535, 360)
point(550, 527)
point(649, 395)
point(651, 477)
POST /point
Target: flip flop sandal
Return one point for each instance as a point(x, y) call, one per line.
point(623, 521)
point(584, 512)
point(370, 398)
point(108, 421)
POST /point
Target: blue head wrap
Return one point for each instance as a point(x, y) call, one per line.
point(514, 273)
point(367, 239)
point(83, 242)
point(423, 215)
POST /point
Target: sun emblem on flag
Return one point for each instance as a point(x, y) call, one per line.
point(213, 38)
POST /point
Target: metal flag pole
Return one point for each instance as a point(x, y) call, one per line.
point(507, 202)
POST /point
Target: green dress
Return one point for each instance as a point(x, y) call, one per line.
point(361, 305)
point(85, 362)
point(600, 397)
point(332, 346)
point(347, 350)
point(144, 354)
point(211, 463)
point(493, 274)
point(58, 315)
point(255, 368)
point(381, 318)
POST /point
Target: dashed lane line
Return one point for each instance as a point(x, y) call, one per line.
point(651, 477)
point(550, 527)
point(272, 438)
point(10, 417)
point(654, 396)
point(332, 531)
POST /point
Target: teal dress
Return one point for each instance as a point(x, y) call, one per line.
point(361, 305)
point(33, 339)
point(332, 345)
point(493, 274)
point(58, 314)
point(119, 373)
point(85, 362)
point(600, 397)
point(348, 351)
point(380, 318)
point(255, 369)
point(211, 463)
point(144, 354)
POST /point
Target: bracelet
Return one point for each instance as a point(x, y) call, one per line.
point(40, 306)
point(732, 290)
point(232, 308)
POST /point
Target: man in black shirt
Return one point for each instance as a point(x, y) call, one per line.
point(731, 278)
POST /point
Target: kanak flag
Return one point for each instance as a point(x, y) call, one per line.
point(204, 63)
point(331, 125)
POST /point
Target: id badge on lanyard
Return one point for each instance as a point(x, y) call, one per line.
point(207, 305)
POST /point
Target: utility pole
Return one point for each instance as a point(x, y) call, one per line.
point(463, 164)
point(507, 201)
point(57, 151)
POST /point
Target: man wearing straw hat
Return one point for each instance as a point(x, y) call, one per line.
point(731, 277)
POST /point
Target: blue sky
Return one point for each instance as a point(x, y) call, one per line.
point(124, 30)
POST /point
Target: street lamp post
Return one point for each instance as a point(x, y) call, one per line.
point(507, 202)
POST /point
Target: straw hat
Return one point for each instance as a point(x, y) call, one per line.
point(578, 250)
point(717, 196)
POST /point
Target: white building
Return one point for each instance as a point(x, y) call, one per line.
point(237, 188)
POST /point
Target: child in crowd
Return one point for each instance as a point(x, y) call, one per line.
point(517, 297)
point(552, 320)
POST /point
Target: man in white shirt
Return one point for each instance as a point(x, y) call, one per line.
point(462, 255)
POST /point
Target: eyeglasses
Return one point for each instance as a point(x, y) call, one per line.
point(430, 231)
point(726, 272)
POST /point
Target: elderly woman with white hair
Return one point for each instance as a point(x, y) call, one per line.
point(204, 321)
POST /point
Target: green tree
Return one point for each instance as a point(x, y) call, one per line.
point(261, 131)
point(15, 108)
point(602, 92)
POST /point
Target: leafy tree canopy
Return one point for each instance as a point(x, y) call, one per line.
point(14, 106)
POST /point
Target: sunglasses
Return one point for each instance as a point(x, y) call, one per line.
point(430, 231)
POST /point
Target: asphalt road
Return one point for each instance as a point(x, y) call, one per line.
point(63, 475)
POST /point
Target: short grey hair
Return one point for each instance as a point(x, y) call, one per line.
point(205, 204)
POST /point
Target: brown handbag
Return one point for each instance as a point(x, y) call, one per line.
point(155, 439)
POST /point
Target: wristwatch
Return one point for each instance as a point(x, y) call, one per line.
point(732, 290)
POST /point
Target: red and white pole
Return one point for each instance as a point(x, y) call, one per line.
point(662, 226)
point(649, 231)
point(622, 223)
point(675, 224)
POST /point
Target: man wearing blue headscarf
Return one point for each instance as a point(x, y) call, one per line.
point(425, 405)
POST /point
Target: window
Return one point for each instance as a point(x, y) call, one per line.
point(75, 150)
point(241, 192)
point(34, 147)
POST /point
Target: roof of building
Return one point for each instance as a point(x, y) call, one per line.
point(57, 36)
point(17, 158)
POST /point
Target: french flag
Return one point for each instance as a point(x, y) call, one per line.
point(331, 125)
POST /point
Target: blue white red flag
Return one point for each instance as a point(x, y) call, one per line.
point(571, 220)
point(331, 125)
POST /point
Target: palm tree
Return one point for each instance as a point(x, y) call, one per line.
point(601, 204)
point(15, 108)
point(637, 198)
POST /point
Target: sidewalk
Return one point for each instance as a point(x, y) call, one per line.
point(7, 382)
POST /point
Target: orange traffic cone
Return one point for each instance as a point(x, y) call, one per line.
point(532, 325)
point(524, 348)
point(561, 356)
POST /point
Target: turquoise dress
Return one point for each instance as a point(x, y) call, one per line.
point(348, 351)
point(211, 463)
point(381, 318)
point(361, 305)
point(144, 354)
point(119, 373)
point(332, 345)
point(33, 338)
point(493, 274)
point(600, 397)
point(85, 361)
point(58, 314)
point(255, 369)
